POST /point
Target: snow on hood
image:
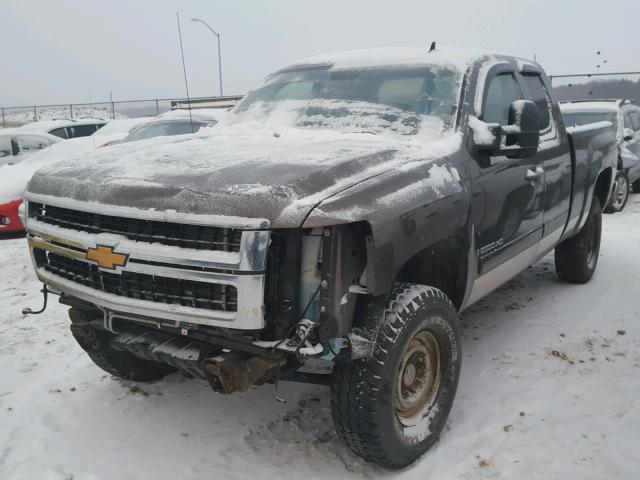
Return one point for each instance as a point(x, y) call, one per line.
point(246, 169)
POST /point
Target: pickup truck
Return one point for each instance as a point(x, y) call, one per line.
point(625, 117)
point(330, 230)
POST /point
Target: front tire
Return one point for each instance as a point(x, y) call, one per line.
point(390, 408)
point(620, 194)
point(577, 257)
point(636, 186)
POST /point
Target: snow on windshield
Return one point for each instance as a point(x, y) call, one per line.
point(382, 100)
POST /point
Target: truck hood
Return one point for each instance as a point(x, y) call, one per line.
point(237, 171)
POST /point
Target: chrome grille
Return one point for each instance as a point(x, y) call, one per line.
point(186, 273)
point(181, 235)
point(155, 288)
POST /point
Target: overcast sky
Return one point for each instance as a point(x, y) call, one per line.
point(61, 51)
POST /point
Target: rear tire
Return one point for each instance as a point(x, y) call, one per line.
point(125, 365)
point(620, 193)
point(390, 407)
point(577, 257)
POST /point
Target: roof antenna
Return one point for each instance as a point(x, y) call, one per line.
point(433, 47)
point(184, 69)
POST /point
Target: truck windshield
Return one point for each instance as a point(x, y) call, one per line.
point(403, 101)
point(578, 119)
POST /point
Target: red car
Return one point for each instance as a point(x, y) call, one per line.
point(9, 219)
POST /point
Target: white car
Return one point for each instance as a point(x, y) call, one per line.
point(15, 175)
point(15, 146)
point(66, 128)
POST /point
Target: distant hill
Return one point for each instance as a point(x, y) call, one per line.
point(600, 89)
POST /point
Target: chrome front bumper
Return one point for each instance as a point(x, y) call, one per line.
point(245, 270)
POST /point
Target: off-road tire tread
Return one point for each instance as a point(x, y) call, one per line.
point(571, 256)
point(357, 383)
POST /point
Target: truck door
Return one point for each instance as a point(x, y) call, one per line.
point(507, 194)
point(554, 157)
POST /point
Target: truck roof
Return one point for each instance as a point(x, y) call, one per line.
point(392, 56)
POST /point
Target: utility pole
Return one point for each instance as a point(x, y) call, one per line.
point(219, 55)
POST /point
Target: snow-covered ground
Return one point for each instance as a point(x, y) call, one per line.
point(550, 389)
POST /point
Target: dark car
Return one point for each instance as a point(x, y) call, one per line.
point(625, 116)
point(175, 122)
point(330, 231)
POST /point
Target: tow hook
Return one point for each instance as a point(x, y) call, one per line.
point(45, 292)
point(232, 372)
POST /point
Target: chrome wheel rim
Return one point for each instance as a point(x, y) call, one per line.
point(418, 378)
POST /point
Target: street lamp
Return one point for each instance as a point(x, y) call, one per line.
point(219, 57)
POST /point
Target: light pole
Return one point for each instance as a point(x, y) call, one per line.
point(219, 56)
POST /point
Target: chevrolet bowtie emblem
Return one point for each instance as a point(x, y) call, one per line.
point(106, 257)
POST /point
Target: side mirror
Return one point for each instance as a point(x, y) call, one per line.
point(519, 139)
point(628, 134)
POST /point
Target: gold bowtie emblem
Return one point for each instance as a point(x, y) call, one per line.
point(106, 257)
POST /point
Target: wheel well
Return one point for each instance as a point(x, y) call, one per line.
point(442, 265)
point(603, 187)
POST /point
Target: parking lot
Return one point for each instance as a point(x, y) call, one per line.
point(549, 389)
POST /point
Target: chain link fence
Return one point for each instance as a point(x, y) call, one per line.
point(16, 116)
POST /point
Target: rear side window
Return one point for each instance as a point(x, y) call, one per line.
point(502, 92)
point(163, 129)
point(537, 93)
point(60, 132)
point(82, 130)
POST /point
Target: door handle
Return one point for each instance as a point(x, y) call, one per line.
point(534, 175)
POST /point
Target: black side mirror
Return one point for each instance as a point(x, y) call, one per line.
point(15, 148)
point(519, 139)
point(524, 119)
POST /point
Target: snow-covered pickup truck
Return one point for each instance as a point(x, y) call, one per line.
point(330, 230)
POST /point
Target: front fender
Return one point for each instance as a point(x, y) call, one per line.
point(407, 209)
